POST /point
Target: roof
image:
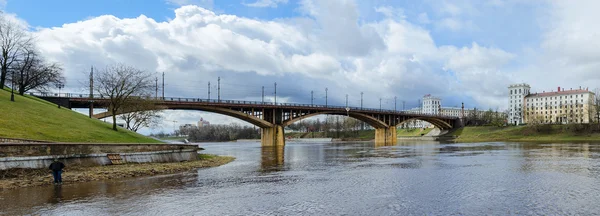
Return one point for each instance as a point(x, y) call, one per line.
point(557, 93)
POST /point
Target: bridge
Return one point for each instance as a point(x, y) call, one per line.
point(271, 117)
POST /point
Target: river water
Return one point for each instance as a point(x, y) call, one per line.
point(410, 178)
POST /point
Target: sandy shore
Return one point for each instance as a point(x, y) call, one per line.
point(16, 178)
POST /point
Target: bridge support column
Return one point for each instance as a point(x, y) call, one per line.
point(386, 136)
point(273, 136)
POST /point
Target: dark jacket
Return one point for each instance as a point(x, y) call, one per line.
point(56, 166)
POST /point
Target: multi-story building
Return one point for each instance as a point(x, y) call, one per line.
point(203, 123)
point(433, 106)
point(553, 107)
point(517, 94)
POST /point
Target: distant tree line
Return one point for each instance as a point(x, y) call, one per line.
point(335, 126)
point(486, 118)
point(218, 133)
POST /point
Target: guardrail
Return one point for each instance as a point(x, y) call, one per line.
point(216, 101)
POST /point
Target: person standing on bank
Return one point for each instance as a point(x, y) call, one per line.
point(57, 169)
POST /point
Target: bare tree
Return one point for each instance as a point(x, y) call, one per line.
point(32, 72)
point(120, 83)
point(12, 39)
point(139, 112)
point(596, 105)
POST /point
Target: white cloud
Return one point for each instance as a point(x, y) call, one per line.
point(266, 3)
point(328, 47)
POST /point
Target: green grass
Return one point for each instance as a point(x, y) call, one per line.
point(555, 133)
point(412, 132)
point(206, 156)
point(35, 119)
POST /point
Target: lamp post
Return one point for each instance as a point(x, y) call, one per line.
point(59, 86)
point(326, 97)
point(12, 89)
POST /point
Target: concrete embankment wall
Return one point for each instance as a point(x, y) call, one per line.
point(425, 138)
point(18, 155)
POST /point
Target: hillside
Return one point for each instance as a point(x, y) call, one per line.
point(546, 133)
point(32, 118)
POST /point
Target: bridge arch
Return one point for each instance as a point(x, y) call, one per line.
point(439, 123)
point(224, 111)
point(374, 122)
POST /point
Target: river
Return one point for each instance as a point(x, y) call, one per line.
point(410, 178)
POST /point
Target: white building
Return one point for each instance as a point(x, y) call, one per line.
point(517, 93)
point(553, 107)
point(433, 106)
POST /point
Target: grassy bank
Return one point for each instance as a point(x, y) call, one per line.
point(36, 177)
point(35, 119)
point(547, 133)
point(412, 132)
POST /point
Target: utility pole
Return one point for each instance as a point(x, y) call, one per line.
point(163, 85)
point(311, 98)
point(156, 88)
point(361, 100)
point(209, 90)
point(346, 100)
point(395, 103)
point(403, 103)
point(379, 104)
point(275, 93)
point(91, 91)
point(263, 94)
point(219, 89)
point(325, 97)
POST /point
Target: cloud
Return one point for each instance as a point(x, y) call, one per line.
point(266, 3)
point(328, 47)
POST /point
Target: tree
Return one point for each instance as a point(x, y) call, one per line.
point(12, 39)
point(32, 72)
point(120, 83)
point(140, 112)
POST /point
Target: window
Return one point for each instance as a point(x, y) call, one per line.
point(510, 91)
point(519, 91)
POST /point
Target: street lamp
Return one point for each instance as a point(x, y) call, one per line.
point(12, 89)
point(59, 86)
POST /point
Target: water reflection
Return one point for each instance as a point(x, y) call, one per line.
point(410, 178)
point(272, 158)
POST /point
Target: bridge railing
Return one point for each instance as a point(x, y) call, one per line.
point(217, 101)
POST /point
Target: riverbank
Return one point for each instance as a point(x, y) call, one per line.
point(542, 133)
point(15, 178)
point(31, 118)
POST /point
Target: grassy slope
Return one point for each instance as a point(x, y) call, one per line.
point(412, 132)
point(518, 133)
point(32, 118)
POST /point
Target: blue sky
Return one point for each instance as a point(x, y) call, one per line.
point(460, 50)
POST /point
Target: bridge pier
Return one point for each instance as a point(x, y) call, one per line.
point(272, 136)
point(386, 136)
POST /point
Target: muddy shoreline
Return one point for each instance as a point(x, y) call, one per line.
point(16, 178)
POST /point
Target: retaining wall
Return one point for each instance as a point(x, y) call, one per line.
point(41, 155)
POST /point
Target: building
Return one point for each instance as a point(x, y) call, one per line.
point(553, 107)
point(203, 123)
point(433, 106)
point(517, 94)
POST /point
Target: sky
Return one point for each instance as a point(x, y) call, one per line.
point(459, 50)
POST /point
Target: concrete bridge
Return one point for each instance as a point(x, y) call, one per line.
point(272, 118)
